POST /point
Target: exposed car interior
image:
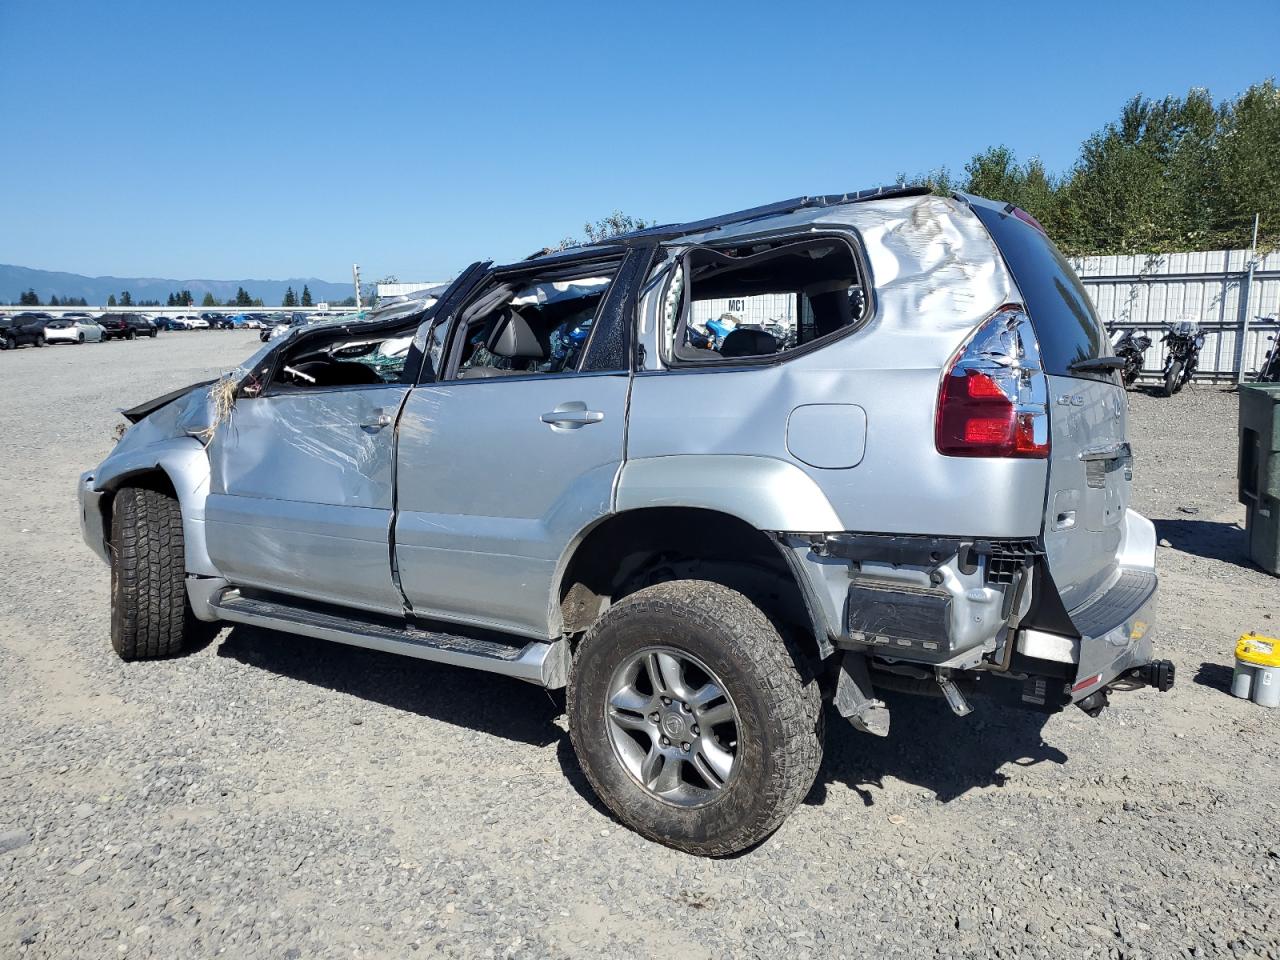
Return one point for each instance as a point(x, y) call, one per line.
point(762, 300)
point(344, 358)
point(532, 324)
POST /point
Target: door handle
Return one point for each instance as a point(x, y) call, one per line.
point(572, 416)
point(380, 419)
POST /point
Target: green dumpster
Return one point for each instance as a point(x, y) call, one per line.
point(1258, 476)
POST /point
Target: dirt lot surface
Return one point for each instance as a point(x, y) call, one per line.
point(271, 796)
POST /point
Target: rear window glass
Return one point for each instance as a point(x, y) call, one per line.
point(1065, 322)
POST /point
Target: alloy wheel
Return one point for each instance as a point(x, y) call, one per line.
point(673, 726)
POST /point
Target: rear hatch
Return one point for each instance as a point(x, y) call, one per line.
point(1089, 461)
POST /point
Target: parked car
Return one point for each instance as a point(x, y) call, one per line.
point(127, 326)
point(73, 329)
point(218, 321)
point(925, 491)
point(23, 328)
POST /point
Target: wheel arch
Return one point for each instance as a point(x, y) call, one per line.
point(631, 549)
point(179, 466)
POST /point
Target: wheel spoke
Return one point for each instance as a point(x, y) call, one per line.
point(631, 700)
point(720, 713)
point(651, 766)
point(718, 759)
point(629, 721)
point(704, 695)
point(654, 670)
point(669, 777)
point(672, 675)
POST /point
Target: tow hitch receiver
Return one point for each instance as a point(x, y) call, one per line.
point(1157, 673)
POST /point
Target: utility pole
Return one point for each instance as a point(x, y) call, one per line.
point(1246, 306)
point(355, 273)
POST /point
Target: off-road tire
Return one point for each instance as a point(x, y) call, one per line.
point(150, 616)
point(1173, 378)
point(780, 710)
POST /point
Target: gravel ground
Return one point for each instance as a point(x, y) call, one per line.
point(272, 796)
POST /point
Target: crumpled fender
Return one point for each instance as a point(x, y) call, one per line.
point(769, 494)
point(186, 463)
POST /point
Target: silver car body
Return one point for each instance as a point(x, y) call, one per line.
point(465, 500)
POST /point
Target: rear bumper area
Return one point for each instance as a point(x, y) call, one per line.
point(1116, 632)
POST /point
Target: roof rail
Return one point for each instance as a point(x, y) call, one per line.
point(772, 210)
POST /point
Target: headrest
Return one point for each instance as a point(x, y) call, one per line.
point(517, 340)
point(743, 342)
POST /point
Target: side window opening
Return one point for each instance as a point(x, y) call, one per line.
point(764, 300)
point(530, 325)
point(347, 358)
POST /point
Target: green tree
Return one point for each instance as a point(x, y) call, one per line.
point(111, 300)
point(290, 299)
point(306, 297)
point(53, 301)
point(242, 298)
point(28, 298)
point(616, 224)
point(126, 299)
point(208, 300)
point(170, 302)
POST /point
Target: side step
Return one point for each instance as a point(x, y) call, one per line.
point(546, 664)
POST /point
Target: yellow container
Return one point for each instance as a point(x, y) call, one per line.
point(1259, 651)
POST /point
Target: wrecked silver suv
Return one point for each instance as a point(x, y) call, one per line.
point(704, 475)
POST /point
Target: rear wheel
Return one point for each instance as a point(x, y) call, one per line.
point(80, 339)
point(691, 718)
point(5, 343)
point(150, 616)
point(39, 340)
point(1173, 378)
point(130, 335)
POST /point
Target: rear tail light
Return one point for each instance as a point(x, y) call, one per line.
point(992, 399)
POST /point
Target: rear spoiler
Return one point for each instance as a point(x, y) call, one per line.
point(143, 410)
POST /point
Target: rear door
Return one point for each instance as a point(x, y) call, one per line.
point(1089, 452)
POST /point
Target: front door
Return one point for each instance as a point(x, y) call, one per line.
point(300, 494)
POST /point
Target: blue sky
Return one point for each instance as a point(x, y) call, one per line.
point(278, 139)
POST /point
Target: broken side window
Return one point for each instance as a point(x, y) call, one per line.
point(765, 300)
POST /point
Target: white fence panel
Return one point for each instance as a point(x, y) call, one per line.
point(1144, 292)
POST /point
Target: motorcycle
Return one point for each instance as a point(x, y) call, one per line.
point(1269, 372)
point(1131, 349)
point(1185, 340)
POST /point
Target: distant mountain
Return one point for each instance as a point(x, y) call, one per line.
point(15, 280)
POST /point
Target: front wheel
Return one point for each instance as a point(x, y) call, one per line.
point(150, 616)
point(1173, 378)
point(39, 341)
point(691, 718)
point(130, 335)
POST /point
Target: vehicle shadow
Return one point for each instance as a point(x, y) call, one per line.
point(931, 747)
point(928, 745)
point(492, 704)
point(1214, 675)
point(1211, 539)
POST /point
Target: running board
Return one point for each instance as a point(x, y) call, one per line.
point(546, 664)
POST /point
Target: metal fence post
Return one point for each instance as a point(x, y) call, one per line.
point(1245, 297)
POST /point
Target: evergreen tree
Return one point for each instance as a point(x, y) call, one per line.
point(53, 301)
point(111, 300)
point(208, 301)
point(306, 296)
point(290, 300)
point(28, 298)
point(169, 302)
point(126, 299)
